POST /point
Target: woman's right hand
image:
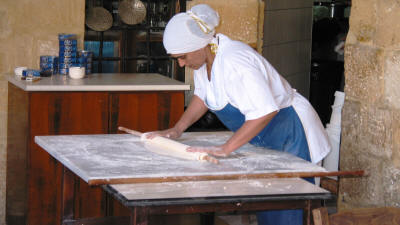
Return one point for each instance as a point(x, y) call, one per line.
point(172, 133)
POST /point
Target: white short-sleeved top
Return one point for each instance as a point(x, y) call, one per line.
point(243, 78)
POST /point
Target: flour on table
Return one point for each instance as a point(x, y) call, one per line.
point(120, 156)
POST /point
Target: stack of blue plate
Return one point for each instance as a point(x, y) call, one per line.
point(85, 59)
point(30, 73)
point(67, 53)
point(48, 65)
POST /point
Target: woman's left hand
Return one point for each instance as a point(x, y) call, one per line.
point(211, 150)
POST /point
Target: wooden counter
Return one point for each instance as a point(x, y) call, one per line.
point(97, 104)
point(102, 82)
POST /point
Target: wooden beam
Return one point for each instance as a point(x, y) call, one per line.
point(224, 177)
point(112, 220)
point(320, 216)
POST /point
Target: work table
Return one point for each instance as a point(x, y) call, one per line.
point(102, 82)
point(147, 183)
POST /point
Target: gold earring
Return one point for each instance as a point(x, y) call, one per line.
point(214, 48)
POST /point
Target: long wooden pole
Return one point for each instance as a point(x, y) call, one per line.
point(357, 173)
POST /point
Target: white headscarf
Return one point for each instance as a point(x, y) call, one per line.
point(190, 31)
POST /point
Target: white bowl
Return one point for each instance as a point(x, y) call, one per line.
point(76, 72)
point(18, 70)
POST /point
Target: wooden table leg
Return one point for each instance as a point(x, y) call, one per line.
point(68, 188)
point(139, 216)
point(207, 218)
point(307, 212)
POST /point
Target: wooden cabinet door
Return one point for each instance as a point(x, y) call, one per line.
point(53, 113)
point(143, 111)
point(146, 111)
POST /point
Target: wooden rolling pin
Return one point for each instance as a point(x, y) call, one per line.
point(171, 147)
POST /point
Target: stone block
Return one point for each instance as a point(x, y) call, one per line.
point(239, 21)
point(3, 128)
point(3, 109)
point(352, 124)
point(3, 61)
point(366, 144)
point(364, 73)
point(391, 177)
point(363, 191)
point(3, 96)
point(363, 20)
point(17, 52)
point(392, 78)
point(396, 139)
point(5, 25)
point(376, 134)
point(367, 128)
point(388, 26)
point(3, 158)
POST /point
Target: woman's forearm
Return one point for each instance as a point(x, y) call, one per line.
point(246, 132)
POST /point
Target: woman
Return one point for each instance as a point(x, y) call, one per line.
point(246, 93)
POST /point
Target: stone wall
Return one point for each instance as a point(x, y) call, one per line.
point(241, 20)
point(371, 114)
point(28, 29)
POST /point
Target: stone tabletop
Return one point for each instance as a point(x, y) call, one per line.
point(123, 156)
point(102, 82)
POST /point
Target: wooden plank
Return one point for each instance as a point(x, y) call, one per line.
point(320, 216)
point(145, 111)
point(17, 142)
point(114, 220)
point(224, 177)
point(89, 201)
point(307, 213)
point(140, 216)
point(44, 188)
point(68, 195)
point(115, 208)
point(371, 216)
point(61, 113)
point(330, 185)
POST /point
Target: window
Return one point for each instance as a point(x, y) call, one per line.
point(137, 48)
